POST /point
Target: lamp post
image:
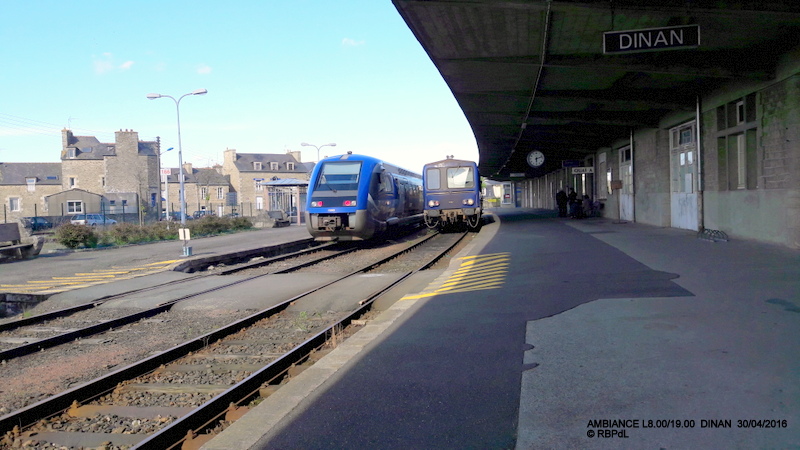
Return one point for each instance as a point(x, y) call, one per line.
point(181, 193)
point(306, 144)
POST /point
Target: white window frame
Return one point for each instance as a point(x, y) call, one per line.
point(74, 207)
point(31, 182)
point(73, 182)
point(259, 203)
point(220, 193)
point(204, 192)
point(258, 186)
point(290, 166)
point(258, 166)
point(273, 166)
point(14, 204)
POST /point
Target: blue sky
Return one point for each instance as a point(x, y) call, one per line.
point(278, 73)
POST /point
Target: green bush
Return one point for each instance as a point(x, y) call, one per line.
point(74, 236)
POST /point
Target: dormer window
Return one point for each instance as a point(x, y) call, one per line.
point(71, 152)
point(290, 166)
point(273, 166)
point(31, 182)
point(257, 166)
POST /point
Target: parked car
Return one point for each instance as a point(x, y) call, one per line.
point(91, 219)
point(199, 214)
point(175, 216)
point(37, 223)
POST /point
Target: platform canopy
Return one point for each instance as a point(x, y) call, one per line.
point(533, 74)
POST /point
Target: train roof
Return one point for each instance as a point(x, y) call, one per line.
point(450, 162)
point(372, 160)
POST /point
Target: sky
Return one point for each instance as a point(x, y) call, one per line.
point(278, 73)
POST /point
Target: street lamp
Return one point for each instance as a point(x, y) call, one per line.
point(182, 195)
point(306, 144)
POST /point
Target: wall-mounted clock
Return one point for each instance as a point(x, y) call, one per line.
point(535, 158)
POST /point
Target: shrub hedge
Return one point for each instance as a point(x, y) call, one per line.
point(75, 236)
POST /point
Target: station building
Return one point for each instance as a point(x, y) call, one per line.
point(680, 114)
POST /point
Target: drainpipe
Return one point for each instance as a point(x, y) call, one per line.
point(698, 144)
point(633, 178)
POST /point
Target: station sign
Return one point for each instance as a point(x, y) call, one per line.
point(517, 174)
point(651, 39)
point(576, 170)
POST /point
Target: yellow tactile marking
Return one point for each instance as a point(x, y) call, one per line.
point(478, 272)
point(85, 279)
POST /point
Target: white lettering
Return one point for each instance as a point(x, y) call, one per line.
point(661, 39)
point(627, 38)
point(642, 39)
point(676, 36)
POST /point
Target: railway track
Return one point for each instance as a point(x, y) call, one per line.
point(62, 326)
point(170, 398)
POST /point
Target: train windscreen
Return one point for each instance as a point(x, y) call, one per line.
point(460, 178)
point(338, 176)
point(432, 181)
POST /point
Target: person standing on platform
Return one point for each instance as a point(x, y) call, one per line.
point(561, 202)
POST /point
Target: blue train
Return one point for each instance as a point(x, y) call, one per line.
point(452, 194)
point(356, 197)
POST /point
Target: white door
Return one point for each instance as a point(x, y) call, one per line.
point(683, 176)
point(626, 174)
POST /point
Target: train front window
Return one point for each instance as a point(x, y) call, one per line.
point(460, 177)
point(432, 181)
point(338, 176)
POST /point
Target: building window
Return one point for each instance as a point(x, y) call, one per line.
point(14, 204)
point(74, 206)
point(257, 166)
point(204, 193)
point(70, 153)
point(220, 193)
point(290, 166)
point(273, 166)
point(73, 182)
point(31, 182)
point(103, 181)
point(737, 146)
point(258, 186)
point(259, 203)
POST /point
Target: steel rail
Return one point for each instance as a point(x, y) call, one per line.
point(92, 389)
point(53, 341)
point(213, 410)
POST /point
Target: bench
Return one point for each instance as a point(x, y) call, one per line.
point(11, 242)
point(278, 219)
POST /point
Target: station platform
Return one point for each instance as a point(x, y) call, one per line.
point(562, 333)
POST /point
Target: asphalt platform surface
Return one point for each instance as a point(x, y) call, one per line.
point(560, 333)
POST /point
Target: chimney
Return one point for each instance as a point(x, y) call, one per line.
point(295, 154)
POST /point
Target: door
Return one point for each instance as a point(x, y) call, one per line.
point(626, 174)
point(683, 176)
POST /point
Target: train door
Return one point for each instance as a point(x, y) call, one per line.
point(626, 194)
point(683, 177)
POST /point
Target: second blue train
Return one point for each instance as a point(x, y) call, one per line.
point(356, 197)
point(452, 191)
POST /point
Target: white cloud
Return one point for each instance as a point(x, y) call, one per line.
point(347, 42)
point(103, 64)
point(126, 65)
point(203, 69)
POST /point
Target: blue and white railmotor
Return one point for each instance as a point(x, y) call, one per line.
point(452, 190)
point(357, 197)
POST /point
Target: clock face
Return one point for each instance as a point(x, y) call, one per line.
point(535, 158)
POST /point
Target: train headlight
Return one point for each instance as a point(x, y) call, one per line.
point(349, 203)
point(316, 204)
point(468, 202)
point(433, 203)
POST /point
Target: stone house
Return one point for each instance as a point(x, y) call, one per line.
point(248, 172)
point(24, 186)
